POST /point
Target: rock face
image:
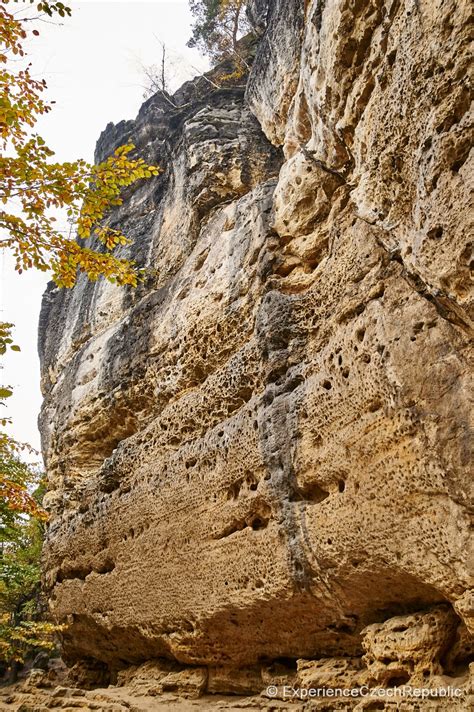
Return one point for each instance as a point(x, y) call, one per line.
point(262, 453)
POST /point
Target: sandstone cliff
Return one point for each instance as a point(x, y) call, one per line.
point(260, 457)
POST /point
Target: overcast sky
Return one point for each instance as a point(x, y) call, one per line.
point(93, 66)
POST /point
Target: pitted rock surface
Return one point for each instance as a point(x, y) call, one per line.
point(262, 453)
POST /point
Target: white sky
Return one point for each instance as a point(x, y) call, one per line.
point(92, 65)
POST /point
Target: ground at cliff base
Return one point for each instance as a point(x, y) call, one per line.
point(123, 700)
point(114, 699)
point(41, 691)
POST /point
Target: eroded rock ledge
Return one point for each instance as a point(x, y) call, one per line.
point(260, 457)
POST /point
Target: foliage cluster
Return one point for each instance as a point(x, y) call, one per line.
point(23, 631)
point(14, 475)
point(33, 186)
point(217, 27)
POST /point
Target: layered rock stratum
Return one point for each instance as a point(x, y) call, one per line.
point(258, 460)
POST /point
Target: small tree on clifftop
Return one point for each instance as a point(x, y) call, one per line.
point(218, 26)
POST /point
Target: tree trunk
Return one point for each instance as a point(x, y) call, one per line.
point(163, 69)
point(235, 30)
